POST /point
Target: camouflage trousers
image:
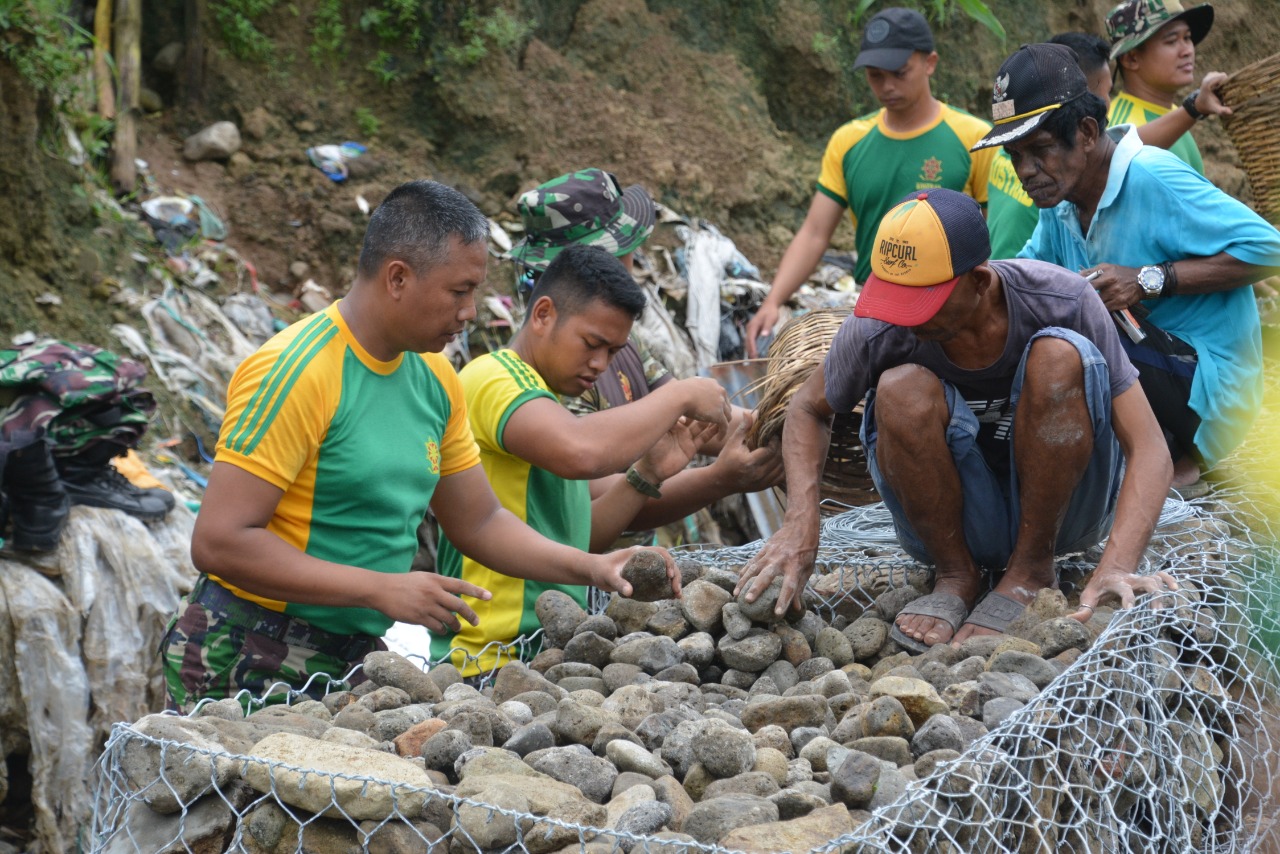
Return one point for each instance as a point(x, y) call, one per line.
point(218, 645)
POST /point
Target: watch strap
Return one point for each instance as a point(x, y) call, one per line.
point(1189, 104)
point(640, 484)
point(1170, 279)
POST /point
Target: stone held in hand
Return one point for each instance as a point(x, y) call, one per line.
point(646, 572)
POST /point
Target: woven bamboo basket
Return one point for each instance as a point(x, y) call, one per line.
point(798, 349)
point(1253, 94)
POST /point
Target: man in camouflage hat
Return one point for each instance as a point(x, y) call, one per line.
point(1154, 45)
point(588, 207)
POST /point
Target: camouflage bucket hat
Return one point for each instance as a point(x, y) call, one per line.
point(1134, 21)
point(586, 207)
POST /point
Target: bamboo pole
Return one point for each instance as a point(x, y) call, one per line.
point(128, 27)
point(101, 69)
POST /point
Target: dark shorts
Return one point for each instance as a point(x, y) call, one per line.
point(1166, 368)
point(992, 510)
point(218, 645)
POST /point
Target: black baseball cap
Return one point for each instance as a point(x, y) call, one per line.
point(891, 37)
point(1036, 80)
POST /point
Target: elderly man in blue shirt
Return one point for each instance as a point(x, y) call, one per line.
point(1156, 239)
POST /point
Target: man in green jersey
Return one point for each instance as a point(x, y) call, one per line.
point(914, 142)
point(539, 456)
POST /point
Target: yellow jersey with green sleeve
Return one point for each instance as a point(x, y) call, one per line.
point(868, 168)
point(1011, 215)
point(1127, 110)
point(357, 445)
point(496, 385)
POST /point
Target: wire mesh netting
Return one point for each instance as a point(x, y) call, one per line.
point(1162, 736)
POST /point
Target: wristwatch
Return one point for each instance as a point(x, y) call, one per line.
point(1151, 279)
point(1189, 104)
point(640, 484)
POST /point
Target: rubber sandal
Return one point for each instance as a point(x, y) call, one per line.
point(941, 606)
point(996, 611)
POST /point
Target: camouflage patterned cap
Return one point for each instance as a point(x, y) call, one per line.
point(1134, 21)
point(586, 207)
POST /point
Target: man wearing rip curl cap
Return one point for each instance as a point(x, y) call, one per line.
point(1003, 425)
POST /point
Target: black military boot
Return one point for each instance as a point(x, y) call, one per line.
point(38, 505)
point(91, 480)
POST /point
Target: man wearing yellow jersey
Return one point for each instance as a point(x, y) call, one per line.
point(339, 433)
point(914, 142)
point(539, 456)
point(1154, 45)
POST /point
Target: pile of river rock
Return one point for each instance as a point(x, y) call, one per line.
point(699, 719)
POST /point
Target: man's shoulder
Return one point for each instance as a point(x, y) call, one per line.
point(967, 126)
point(854, 131)
point(1039, 279)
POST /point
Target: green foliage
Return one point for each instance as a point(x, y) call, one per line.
point(368, 123)
point(394, 22)
point(328, 32)
point(499, 30)
point(938, 11)
point(235, 21)
point(384, 67)
point(825, 45)
point(41, 41)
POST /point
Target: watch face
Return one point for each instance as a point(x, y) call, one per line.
point(1151, 279)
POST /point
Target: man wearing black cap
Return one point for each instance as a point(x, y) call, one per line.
point(1003, 424)
point(914, 142)
point(1156, 239)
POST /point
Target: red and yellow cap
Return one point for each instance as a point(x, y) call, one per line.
point(923, 246)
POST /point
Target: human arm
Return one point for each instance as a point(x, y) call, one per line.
point(736, 470)
point(231, 541)
point(541, 431)
point(1118, 285)
point(713, 446)
point(798, 263)
point(806, 435)
point(1164, 131)
point(479, 526)
point(1148, 473)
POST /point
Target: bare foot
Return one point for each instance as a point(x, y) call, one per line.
point(1185, 471)
point(1019, 586)
point(931, 630)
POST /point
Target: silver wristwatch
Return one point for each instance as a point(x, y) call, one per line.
point(1151, 279)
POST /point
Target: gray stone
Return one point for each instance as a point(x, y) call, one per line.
point(724, 751)
point(201, 826)
point(518, 713)
point(1060, 634)
point(632, 704)
point(940, 732)
point(218, 141)
point(653, 730)
point(918, 698)
point(866, 636)
point(968, 669)
point(594, 684)
point(644, 818)
point(670, 792)
point(970, 730)
point(795, 649)
point(646, 572)
point(477, 727)
point(833, 645)
point(763, 686)
point(1014, 686)
point(677, 747)
point(761, 610)
point(996, 711)
point(855, 781)
point(927, 763)
point(394, 670)
point(187, 769)
point(633, 757)
point(793, 803)
point(651, 654)
point(834, 683)
point(798, 771)
point(710, 820)
point(752, 653)
point(896, 751)
point(739, 679)
point(814, 668)
point(889, 788)
point(774, 737)
point(628, 614)
point(983, 646)
point(699, 648)
point(559, 616)
point(530, 737)
point(756, 783)
point(578, 766)
point(613, 732)
point(886, 716)
point(808, 710)
point(577, 723)
point(802, 735)
point(891, 602)
point(559, 802)
point(588, 648)
point(783, 673)
point(488, 761)
point(626, 780)
point(442, 750)
point(538, 702)
point(601, 625)
point(557, 673)
point(701, 603)
point(668, 622)
point(820, 752)
point(617, 674)
point(515, 679)
point(736, 623)
point(1035, 668)
point(335, 780)
point(684, 672)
